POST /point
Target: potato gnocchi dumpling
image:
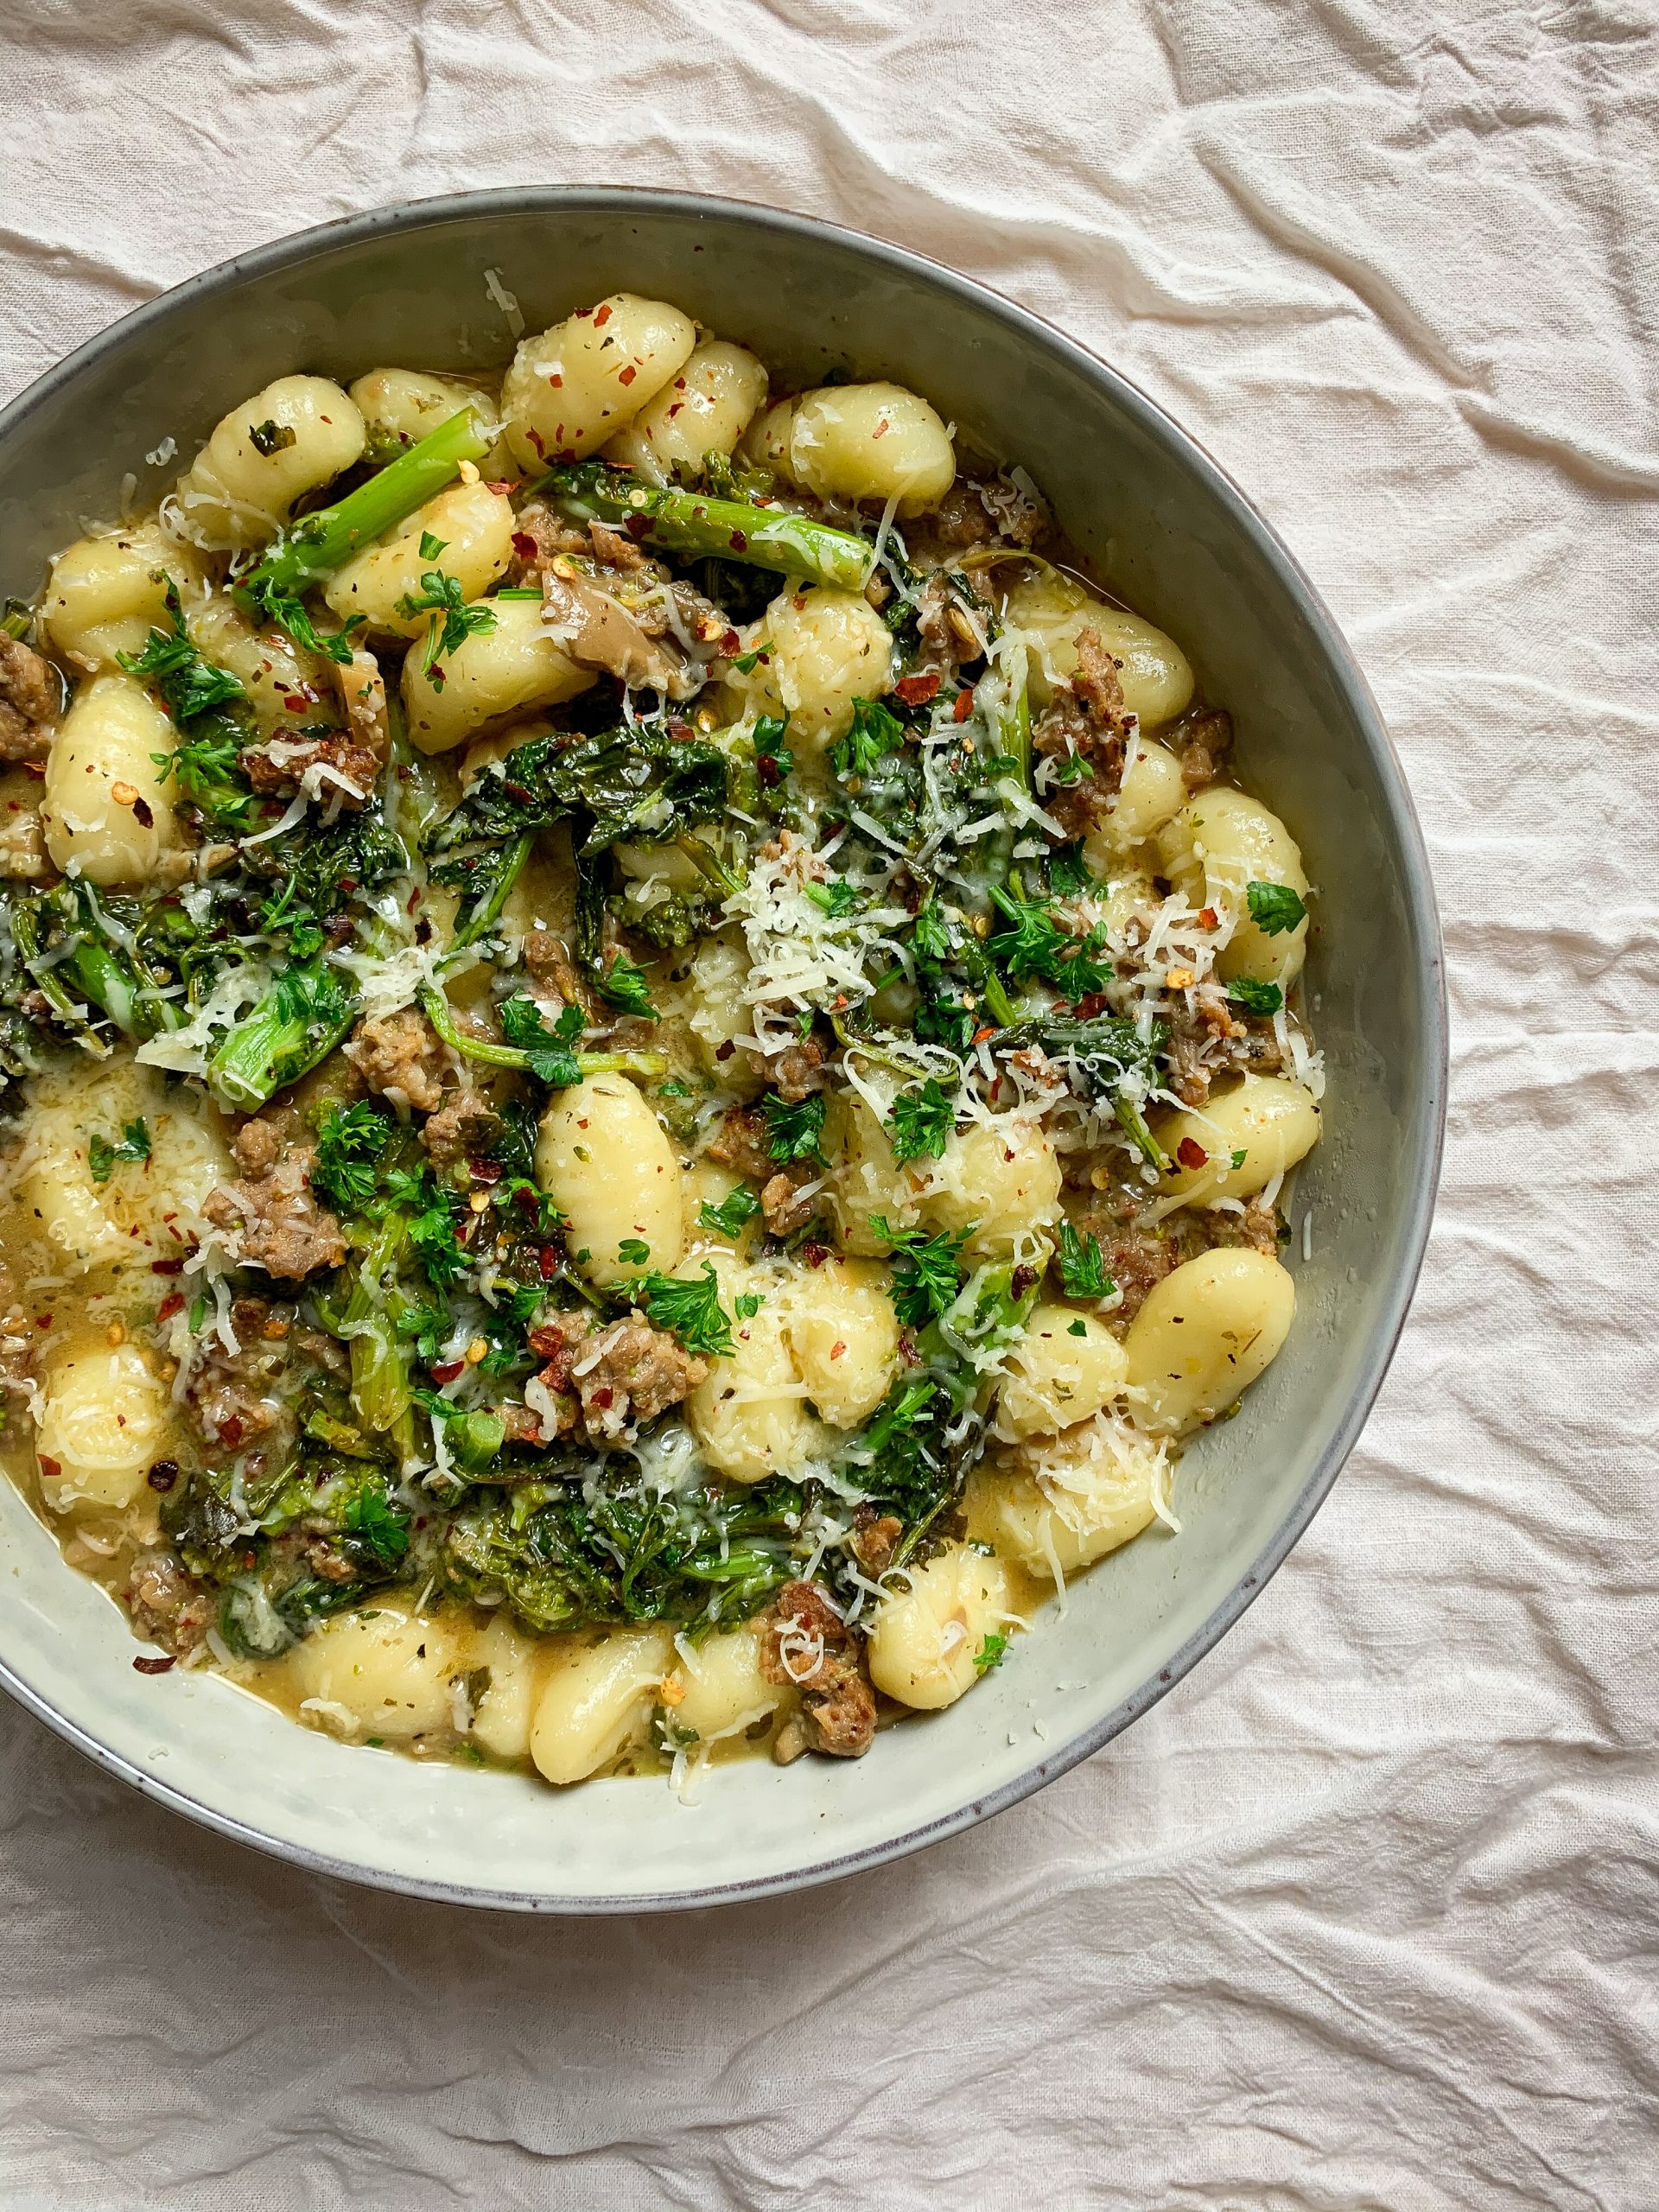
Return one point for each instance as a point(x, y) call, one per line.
point(650, 1060)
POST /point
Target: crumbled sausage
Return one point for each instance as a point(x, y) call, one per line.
point(808, 1646)
point(1209, 1039)
point(742, 1143)
point(785, 1205)
point(167, 1605)
point(467, 1125)
point(334, 766)
point(619, 1376)
point(1085, 721)
point(1205, 745)
point(30, 699)
point(281, 1227)
point(874, 1539)
point(16, 1342)
point(403, 1058)
point(547, 962)
point(795, 1072)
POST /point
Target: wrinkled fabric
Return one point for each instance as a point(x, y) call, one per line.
point(1364, 1915)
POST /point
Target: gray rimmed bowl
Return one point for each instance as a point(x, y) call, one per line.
point(424, 284)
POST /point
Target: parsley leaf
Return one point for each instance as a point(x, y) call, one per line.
point(378, 1526)
point(691, 1309)
point(623, 985)
point(733, 1213)
point(931, 932)
point(633, 1251)
point(1082, 1265)
point(434, 1215)
point(745, 664)
point(350, 1145)
point(921, 1122)
point(552, 1050)
point(431, 547)
point(287, 610)
point(1274, 907)
point(748, 1303)
point(190, 684)
point(104, 1158)
point(926, 1270)
point(875, 734)
point(992, 1652)
point(1253, 997)
point(1068, 871)
point(793, 1132)
point(443, 597)
point(835, 897)
point(1037, 947)
point(270, 436)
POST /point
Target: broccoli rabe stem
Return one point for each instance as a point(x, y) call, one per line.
point(500, 871)
point(380, 1373)
point(95, 970)
point(299, 1021)
point(320, 542)
point(440, 1014)
point(696, 527)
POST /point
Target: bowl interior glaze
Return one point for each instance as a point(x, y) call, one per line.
point(414, 285)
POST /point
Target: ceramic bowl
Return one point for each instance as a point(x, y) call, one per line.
point(426, 284)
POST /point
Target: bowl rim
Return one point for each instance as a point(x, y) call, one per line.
point(1427, 949)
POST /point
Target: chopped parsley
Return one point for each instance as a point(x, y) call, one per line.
point(835, 897)
point(552, 1050)
point(453, 621)
point(748, 1303)
point(926, 1270)
point(377, 1526)
point(1253, 997)
point(434, 1214)
point(1037, 948)
point(691, 1309)
point(733, 1213)
point(992, 1652)
point(189, 683)
point(633, 1251)
point(270, 436)
point(104, 1158)
point(1082, 1265)
point(1274, 907)
point(351, 1143)
point(623, 985)
point(431, 547)
point(769, 734)
point(793, 1132)
point(931, 932)
point(875, 734)
point(921, 1122)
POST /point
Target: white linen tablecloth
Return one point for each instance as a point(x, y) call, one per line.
point(1365, 1915)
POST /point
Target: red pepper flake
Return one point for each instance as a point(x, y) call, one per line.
point(881, 429)
point(767, 773)
point(980, 1035)
point(166, 1267)
point(814, 1255)
point(548, 1261)
point(525, 545)
point(601, 316)
point(1090, 1004)
point(295, 704)
point(1191, 1153)
point(1208, 917)
point(230, 1430)
point(485, 1170)
point(627, 375)
point(42, 1320)
point(1021, 1281)
point(522, 792)
point(449, 1370)
point(731, 643)
point(556, 381)
point(172, 1304)
point(964, 705)
point(725, 1051)
point(141, 815)
point(639, 528)
point(535, 439)
point(679, 730)
point(603, 1397)
point(49, 1467)
point(163, 1475)
point(917, 691)
point(154, 1666)
point(738, 543)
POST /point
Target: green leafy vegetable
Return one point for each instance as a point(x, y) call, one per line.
point(549, 1050)
point(622, 782)
point(623, 985)
point(1274, 907)
point(104, 1158)
point(1082, 1265)
point(875, 734)
point(793, 1131)
point(1253, 997)
point(690, 1308)
point(633, 1251)
point(836, 897)
point(442, 596)
point(926, 1270)
point(352, 1142)
point(992, 1651)
point(733, 1213)
point(187, 681)
point(378, 1526)
point(921, 1122)
point(1038, 946)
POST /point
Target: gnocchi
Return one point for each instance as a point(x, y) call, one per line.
point(672, 1230)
